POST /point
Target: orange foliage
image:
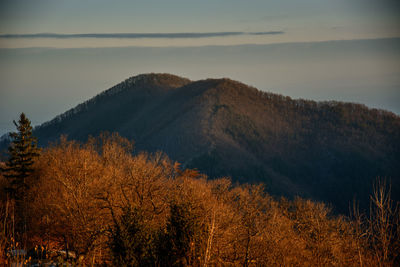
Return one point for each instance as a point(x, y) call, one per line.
point(79, 193)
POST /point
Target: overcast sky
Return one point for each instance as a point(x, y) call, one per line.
point(46, 82)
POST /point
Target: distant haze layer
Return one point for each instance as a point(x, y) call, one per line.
point(44, 82)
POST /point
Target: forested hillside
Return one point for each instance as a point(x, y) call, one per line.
point(327, 151)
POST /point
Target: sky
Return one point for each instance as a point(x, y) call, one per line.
point(55, 54)
point(305, 20)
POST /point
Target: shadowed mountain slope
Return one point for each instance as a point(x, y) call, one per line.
point(330, 151)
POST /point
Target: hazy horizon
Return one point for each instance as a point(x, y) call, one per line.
point(57, 54)
point(362, 71)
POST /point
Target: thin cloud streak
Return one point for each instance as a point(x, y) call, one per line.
point(135, 35)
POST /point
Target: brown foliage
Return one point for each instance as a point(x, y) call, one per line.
point(80, 192)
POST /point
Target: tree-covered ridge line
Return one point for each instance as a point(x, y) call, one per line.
point(175, 82)
point(123, 86)
point(107, 206)
point(327, 151)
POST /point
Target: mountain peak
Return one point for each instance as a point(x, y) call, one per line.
point(226, 128)
point(164, 80)
point(218, 82)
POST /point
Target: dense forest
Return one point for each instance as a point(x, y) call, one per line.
point(326, 151)
point(96, 203)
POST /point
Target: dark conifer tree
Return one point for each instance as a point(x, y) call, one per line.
point(23, 150)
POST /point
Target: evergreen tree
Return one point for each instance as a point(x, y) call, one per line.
point(23, 150)
point(133, 241)
point(183, 229)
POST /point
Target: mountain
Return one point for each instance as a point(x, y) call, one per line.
point(329, 151)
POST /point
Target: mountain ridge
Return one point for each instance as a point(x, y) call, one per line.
point(323, 150)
